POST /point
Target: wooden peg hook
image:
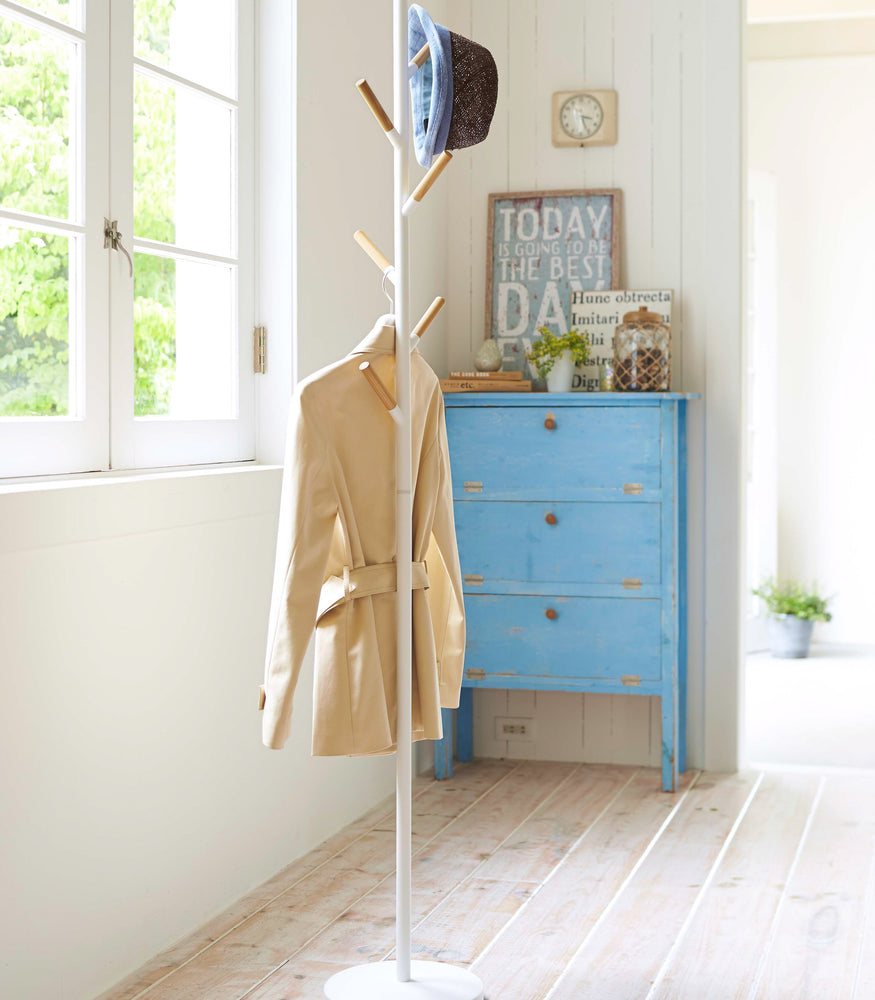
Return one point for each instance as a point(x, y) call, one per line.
point(424, 186)
point(371, 250)
point(376, 383)
point(419, 59)
point(428, 316)
point(383, 119)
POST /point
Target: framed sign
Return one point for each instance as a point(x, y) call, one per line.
point(542, 246)
point(600, 313)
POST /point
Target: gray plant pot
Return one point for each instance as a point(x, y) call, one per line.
point(789, 636)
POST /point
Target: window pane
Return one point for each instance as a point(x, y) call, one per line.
point(65, 11)
point(184, 338)
point(182, 167)
point(34, 323)
point(35, 87)
point(192, 38)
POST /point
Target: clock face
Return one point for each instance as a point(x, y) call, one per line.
point(581, 116)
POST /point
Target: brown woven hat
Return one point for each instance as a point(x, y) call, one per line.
point(475, 92)
point(455, 91)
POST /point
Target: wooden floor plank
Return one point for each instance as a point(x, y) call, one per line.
point(462, 925)
point(192, 944)
point(534, 850)
point(532, 951)
point(253, 948)
point(623, 953)
point(561, 881)
point(718, 956)
point(820, 927)
point(864, 976)
point(465, 921)
point(366, 930)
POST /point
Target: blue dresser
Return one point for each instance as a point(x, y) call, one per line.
point(571, 522)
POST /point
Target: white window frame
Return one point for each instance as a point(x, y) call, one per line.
point(106, 436)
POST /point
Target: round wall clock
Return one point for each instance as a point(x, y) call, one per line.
point(585, 118)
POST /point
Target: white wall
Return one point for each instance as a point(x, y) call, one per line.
point(137, 799)
point(676, 67)
point(810, 124)
point(345, 183)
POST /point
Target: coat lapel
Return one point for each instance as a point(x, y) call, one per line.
point(380, 339)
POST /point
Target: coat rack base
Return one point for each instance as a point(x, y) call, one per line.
point(429, 981)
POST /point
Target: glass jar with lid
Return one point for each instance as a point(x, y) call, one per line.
point(642, 353)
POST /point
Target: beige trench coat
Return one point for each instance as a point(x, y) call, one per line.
point(335, 560)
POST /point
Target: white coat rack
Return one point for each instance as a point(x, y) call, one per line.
point(402, 979)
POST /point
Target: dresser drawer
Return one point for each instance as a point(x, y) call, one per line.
point(506, 452)
point(589, 637)
point(598, 542)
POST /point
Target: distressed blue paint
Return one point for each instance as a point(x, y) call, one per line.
point(443, 749)
point(668, 510)
point(589, 454)
point(682, 584)
point(588, 542)
point(602, 535)
point(465, 725)
point(590, 636)
point(522, 682)
point(466, 400)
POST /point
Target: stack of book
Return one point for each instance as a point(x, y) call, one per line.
point(486, 382)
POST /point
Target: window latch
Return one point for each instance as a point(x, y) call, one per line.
point(112, 240)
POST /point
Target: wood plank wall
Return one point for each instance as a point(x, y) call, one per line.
point(655, 53)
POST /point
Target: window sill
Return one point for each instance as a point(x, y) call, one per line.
point(65, 510)
point(36, 484)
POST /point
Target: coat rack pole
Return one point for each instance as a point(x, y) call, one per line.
point(401, 979)
point(403, 499)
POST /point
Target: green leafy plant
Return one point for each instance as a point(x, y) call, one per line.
point(792, 598)
point(544, 352)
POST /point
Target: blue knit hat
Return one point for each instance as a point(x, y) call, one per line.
point(447, 116)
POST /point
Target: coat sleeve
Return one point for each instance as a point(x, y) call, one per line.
point(445, 579)
point(308, 508)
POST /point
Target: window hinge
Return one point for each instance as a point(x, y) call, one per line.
point(259, 346)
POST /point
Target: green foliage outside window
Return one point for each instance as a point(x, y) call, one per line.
point(35, 75)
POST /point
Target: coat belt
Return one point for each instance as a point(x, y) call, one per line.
point(365, 581)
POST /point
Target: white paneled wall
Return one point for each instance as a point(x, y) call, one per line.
point(674, 64)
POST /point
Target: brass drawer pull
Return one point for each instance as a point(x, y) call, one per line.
point(552, 614)
point(475, 674)
point(633, 489)
point(630, 680)
point(550, 422)
point(631, 583)
point(473, 487)
point(551, 518)
point(474, 579)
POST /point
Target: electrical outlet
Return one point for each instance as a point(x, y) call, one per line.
point(514, 729)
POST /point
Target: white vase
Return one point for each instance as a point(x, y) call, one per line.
point(561, 375)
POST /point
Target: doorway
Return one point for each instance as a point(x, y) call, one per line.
point(810, 467)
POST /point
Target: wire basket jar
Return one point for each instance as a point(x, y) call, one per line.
point(642, 353)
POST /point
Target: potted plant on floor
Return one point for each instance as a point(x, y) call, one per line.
point(555, 356)
point(793, 610)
